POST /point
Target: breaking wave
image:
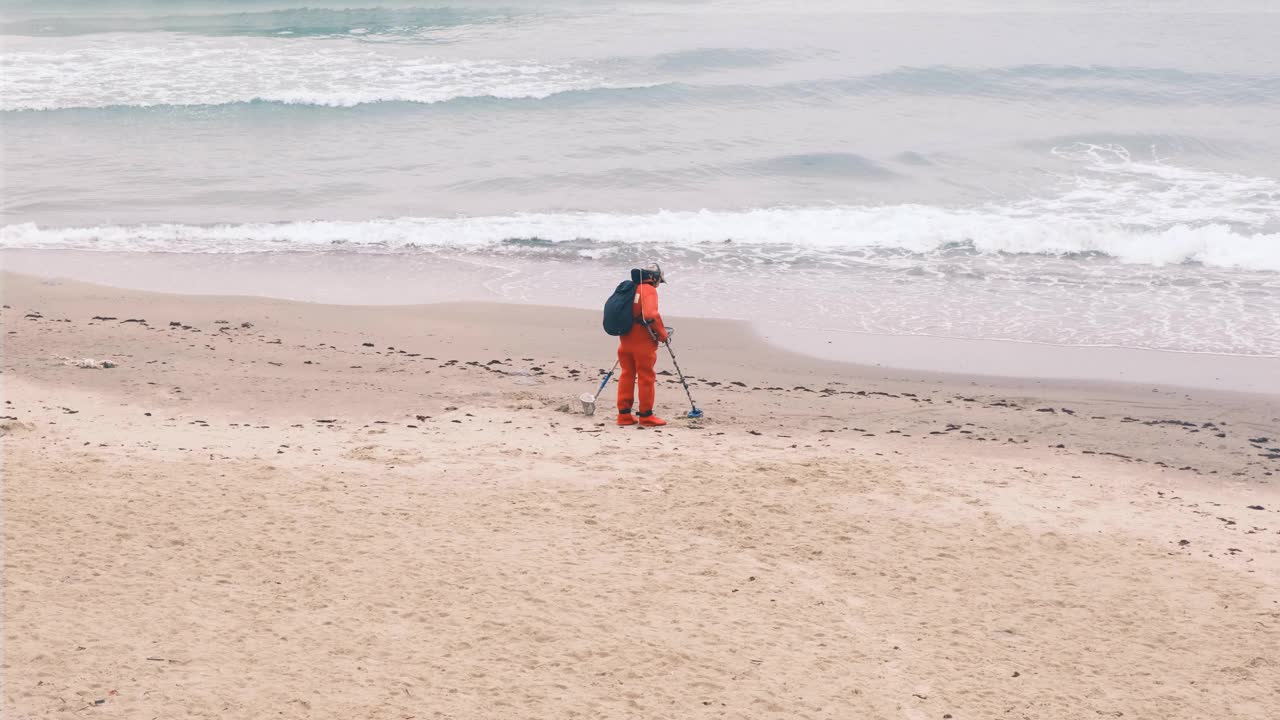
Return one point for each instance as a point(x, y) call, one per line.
point(785, 232)
point(174, 69)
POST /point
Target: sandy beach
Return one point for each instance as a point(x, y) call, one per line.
point(280, 509)
point(979, 302)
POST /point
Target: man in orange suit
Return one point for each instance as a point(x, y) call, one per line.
point(638, 351)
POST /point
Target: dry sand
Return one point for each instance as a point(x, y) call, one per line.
point(256, 514)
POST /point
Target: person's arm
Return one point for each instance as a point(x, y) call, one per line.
point(649, 310)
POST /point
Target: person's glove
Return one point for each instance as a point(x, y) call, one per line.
point(671, 333)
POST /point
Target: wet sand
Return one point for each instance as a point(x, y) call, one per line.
point(369, 279)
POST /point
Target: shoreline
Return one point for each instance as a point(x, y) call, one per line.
point(1034, 361)
point(318, 279)
point(715, 363)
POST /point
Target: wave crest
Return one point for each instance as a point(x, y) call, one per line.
point(814, 233)
point(178, 70)
point(291, 23)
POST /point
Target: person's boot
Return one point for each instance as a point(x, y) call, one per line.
point(648, 419)
point(626, 418)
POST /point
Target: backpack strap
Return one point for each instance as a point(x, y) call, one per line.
point(648, 324)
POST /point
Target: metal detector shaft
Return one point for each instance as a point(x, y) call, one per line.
point(693, 411)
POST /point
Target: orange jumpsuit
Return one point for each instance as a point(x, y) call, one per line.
point(638, 352)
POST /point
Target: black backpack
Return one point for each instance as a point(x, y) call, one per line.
point(618, 308)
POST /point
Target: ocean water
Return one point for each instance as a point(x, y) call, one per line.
point(1095, 172)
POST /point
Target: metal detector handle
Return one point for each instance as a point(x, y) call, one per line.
point(607, 377)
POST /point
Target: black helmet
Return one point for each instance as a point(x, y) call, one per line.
point(652, 273)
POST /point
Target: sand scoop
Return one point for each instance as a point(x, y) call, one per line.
point(589, 399)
